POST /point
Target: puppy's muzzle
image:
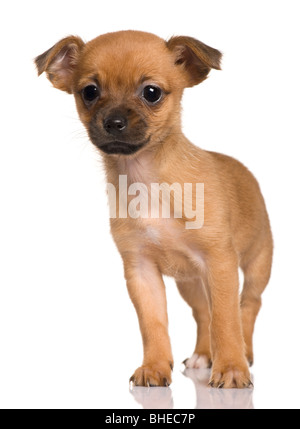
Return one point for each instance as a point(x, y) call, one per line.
point(118, 133)
point(121, 148)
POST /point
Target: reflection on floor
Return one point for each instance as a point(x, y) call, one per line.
point(153, 397)
point(207, 397)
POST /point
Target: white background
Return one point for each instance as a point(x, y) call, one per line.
point(69, 335)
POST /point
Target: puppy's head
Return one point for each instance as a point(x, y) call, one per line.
point(128, 85)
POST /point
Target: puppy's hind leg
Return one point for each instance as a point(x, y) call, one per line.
point(257, 270)
point(193, 293)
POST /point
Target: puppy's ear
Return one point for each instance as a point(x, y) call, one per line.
point(194, 57)
point(59, 62)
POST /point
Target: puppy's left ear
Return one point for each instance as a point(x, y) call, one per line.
point(194, 57)
point(60, 61)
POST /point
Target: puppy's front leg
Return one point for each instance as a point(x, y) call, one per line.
point(147, 292)
point(230, 368)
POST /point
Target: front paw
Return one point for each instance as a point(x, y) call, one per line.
point(153, 374)
point(230, 376)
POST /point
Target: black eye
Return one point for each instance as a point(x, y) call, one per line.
point(90, 93)
point(152, 94)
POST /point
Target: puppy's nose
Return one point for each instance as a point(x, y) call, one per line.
point(115, 124)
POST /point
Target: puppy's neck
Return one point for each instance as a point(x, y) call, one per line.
point(140, 168)
point(147, 165)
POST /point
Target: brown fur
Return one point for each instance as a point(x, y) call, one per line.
point(204, 262)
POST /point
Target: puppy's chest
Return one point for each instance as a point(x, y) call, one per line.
point(166, 242)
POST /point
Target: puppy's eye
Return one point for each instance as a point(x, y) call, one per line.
point(90, 93)
point(152, 94)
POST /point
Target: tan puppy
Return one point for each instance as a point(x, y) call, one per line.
point(128, 87)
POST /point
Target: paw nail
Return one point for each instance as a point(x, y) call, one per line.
point(221, 385)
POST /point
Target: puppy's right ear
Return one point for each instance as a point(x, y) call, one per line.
point(59, 62)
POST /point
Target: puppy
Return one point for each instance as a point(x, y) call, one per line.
point(128, 87)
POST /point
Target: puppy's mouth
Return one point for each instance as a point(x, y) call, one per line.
point(121, 148)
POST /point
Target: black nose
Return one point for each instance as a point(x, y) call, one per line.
point(115, 124)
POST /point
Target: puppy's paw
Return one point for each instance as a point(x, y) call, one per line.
point(230, 376)
point(198, 361)
point(154, 374)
